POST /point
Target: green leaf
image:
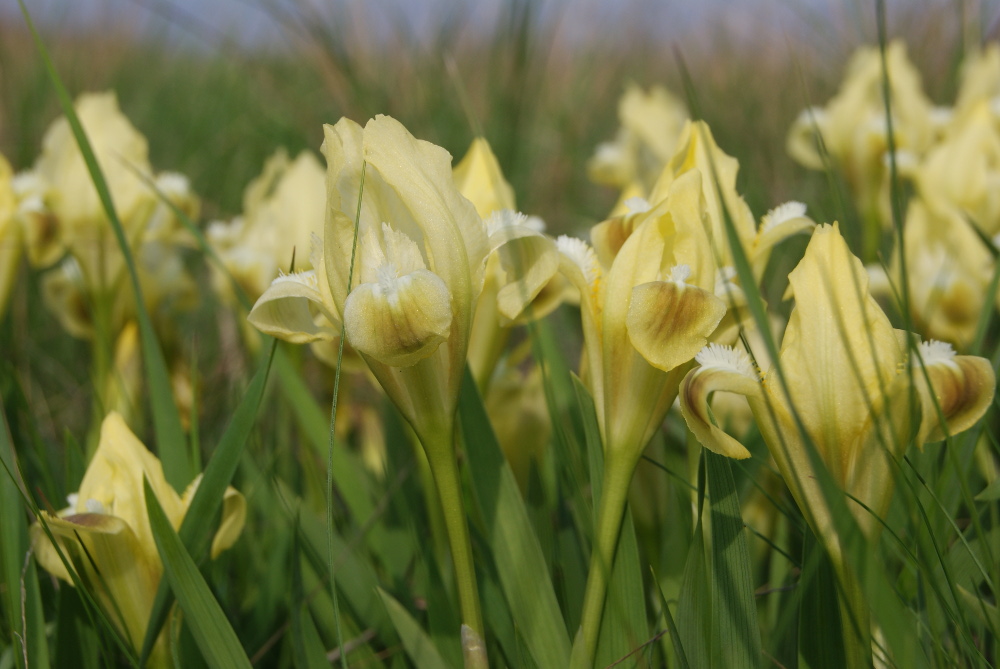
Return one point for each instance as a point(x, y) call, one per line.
point(821, 644)
point(623, 625)
point(675, 637)
point(418, 645)
point(734, 610)
point(694, 603)
point(199, 522)
point(990, 493)
point(521, 566)
point(206, 621)
point(170, 440)
point(352, 486)
point(307, 646)
point(24, 615)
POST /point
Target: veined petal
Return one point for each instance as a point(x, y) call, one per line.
point(722, 369)
point(113, 482)
point(669, 321)
point(110, 562)
point(529, 260)
point(286, 310)
point(961, 390)
point(840, 351)
point(416, 177)
point(400, 319)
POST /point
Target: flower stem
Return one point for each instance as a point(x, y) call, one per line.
point(614, 495)
point(444, 467)
point(855, 620)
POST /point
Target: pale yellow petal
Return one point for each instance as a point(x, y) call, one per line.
point(669, 322)
point(414, 176)
point(288, 310)
point(479, 178)
point(119, 149)
point(776, 226)
point(722, 369)
point(113, 482)
point(110, 562)
point(234, 515)
point(804, 137)
point(399, 320)
point(961, 390)
point(840, 352)
point(528, 260)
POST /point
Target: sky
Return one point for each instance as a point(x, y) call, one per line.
point(249, 23)
point(216, 26)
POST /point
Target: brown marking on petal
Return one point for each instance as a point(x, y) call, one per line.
point(964, 388)
point(668, 322)
point(90, 519)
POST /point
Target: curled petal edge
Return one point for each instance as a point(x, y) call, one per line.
point(961, 390)
point(695, 392)
point(285, 310)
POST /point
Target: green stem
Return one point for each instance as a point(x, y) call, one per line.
point(614, 496)
point(871, 233)
point(444, 467)
point(102, 366)
point(855, 619)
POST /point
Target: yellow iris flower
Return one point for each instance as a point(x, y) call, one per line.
point(106, 536)
point(850, 380)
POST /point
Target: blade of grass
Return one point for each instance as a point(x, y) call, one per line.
point(330, 528)
point(200, 519)
point(734, 611)
point(675, 636)
point(523, 572)
point(306, 645)
point(206, 621)
point(418, 645)
point(22, 604)
point(820, 637)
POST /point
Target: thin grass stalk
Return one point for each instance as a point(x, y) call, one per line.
point(330, 529)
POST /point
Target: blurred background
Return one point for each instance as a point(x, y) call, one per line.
point(217, 86)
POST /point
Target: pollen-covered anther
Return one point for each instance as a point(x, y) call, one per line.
point(717, 356)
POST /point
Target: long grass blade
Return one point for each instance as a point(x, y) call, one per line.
point(206, 621)
point(21, 603)
point(199, 521)
point(422, 651)
point(734, 610)
point(523, 572)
